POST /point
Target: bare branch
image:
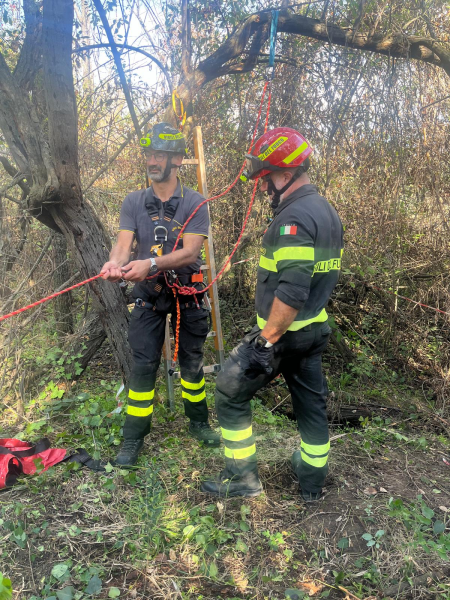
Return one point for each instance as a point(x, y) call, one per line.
point(134, 49)
point(186, 45)
point(30, 59)
point(11, 170)
point(101, 11)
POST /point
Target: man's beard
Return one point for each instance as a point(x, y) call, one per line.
point(156, 176)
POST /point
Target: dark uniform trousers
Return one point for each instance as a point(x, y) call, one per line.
point(146, 337)
point(298, 356)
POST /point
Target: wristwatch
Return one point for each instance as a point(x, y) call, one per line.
point(262, 342)
point(154, 267)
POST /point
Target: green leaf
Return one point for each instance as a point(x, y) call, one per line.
point(113, 592)
point(59, 571)
point(244, 526)
point(188, 531)
point(367, 536)
point(438, 527)
point(343, 543)
point(241, 546)
point(5, 588)
point(208, 521)
point(66, 593)
point(94, 586)
point(379, 533)
point(427, 512)
point(213, 571)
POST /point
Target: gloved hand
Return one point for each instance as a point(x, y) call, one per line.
point(259, 359)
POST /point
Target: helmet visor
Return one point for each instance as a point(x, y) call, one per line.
point(253, 165)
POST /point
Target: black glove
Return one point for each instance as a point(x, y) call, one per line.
point(259, 359)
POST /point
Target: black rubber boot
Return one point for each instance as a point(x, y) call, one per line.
point(202, 431)
point(230, 482)
point(129, 453)
point(296, 461)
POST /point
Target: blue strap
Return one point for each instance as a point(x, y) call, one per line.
point(273, 38)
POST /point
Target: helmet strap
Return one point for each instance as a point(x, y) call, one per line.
point(168, 169)
point(276, 194)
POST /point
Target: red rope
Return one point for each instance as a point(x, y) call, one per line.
point(72, 287)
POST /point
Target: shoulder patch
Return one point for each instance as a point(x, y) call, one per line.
point(288, 230)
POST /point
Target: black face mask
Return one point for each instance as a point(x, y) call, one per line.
point(271, 189)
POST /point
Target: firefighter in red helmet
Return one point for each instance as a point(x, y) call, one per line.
point(298, 270)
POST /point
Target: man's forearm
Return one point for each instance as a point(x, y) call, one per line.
point(175, 260)
point(281, 316)
point(120, 255)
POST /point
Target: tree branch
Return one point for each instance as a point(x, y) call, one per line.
point(9, 168)
point(101, 11)
point(397, 45)
point(134, 49)
point(30, 59)
point(186, 45)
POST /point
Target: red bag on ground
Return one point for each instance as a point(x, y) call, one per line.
point(17, 457)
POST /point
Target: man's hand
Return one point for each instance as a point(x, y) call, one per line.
point(259, 359)
point(136, 270)
point(111, 271)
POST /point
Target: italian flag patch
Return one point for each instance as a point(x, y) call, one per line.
point(288, 230)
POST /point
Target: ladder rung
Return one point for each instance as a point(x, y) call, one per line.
point(208, 369)
point(212, 333)
point(190, 161)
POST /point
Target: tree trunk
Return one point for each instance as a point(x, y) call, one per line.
point(62, 304)
point(77, 221)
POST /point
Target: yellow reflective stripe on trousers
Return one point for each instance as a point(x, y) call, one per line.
point(294, 253)
point(192, 386)
point(319, 461)
point(236, 436)
point(315, 450)
point(139, 412)
point(240, 453)
point(132, 395)
point(193, 398)
point(297, 325)
point(268, 263)
point(293, 155)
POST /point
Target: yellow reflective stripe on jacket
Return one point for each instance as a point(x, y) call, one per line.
point(192, 386)
point(139, 412)
point(132, 395)
point(192, 398)
point(293, 155)
point(325, 266)
point(294, 253)
point(296, 325)
point(315, 450)
point(319, 461)
point(236, 436)
point(268, 263)
point(240, 453)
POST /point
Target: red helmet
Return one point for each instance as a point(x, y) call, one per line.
point(278, 149)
